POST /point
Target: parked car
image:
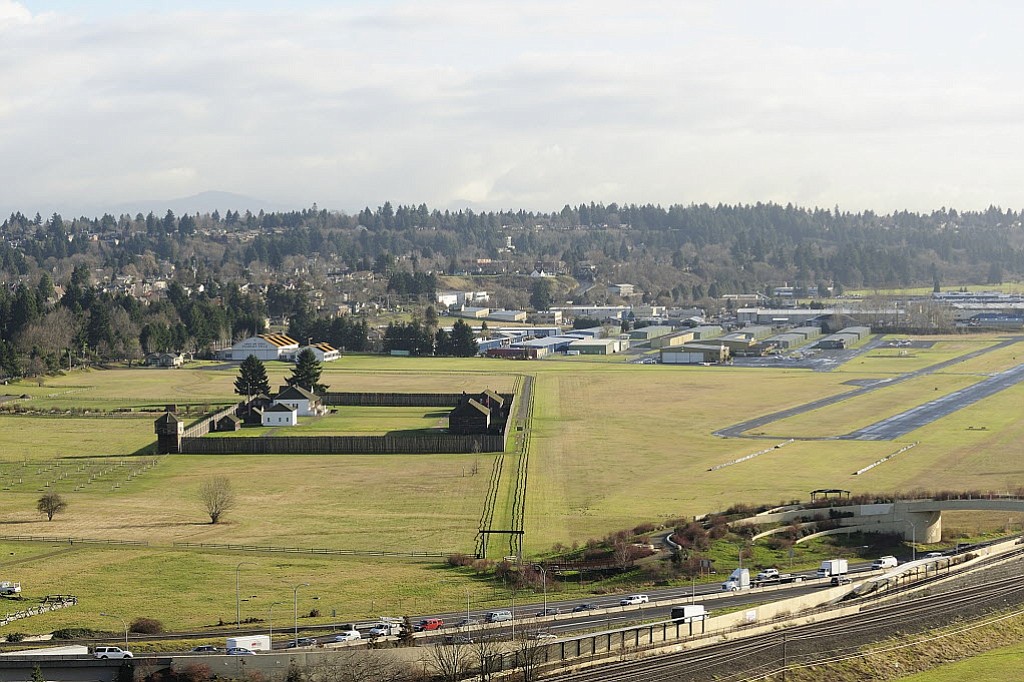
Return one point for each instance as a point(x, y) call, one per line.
point(239, 651)
point(583, 607)
point(548, 612)
point(428, 624)
point(301, 641)
point(111, 652)
point(634, 599)
point(347, 636)
point(206, 649)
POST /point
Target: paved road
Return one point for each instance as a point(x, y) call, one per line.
point(809, 357)
point(739, 430)
point(922, 415)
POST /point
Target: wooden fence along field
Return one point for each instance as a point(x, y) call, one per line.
point(191, 440)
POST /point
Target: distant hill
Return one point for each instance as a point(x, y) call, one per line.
point(204, 202)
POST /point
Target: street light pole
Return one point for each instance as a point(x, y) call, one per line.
point(913, 539)
point(277, 603)
point(544, 583)
point(295, 597)
point(238, 601)
point(111, 615)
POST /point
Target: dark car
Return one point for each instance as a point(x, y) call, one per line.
point(301, 641)
point(548, 612)
point(239, 651)
point(206, 649)
point(841, 580)
point(583, 607)
point(458, 639)
point(468, 622)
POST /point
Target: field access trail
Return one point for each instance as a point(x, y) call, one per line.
point(504, 507)
point(900, 424)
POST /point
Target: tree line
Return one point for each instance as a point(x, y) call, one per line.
point(416, 338)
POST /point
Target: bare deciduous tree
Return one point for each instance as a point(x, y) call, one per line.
point(450, 661)
point(51, 504)
point(359, 666)
point(486, 657)
point(217, 497)
point(530, 652)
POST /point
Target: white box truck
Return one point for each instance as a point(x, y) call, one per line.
point(689, 613)
point(252, 643)
point(739, 579)
point(830, 568)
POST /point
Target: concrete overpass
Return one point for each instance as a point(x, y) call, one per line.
point(919, 521)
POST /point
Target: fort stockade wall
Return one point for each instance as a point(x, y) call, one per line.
point(343, 445)
point(393, 399)
point(207, 423)
point(192, 441)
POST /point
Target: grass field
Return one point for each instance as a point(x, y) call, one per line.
point(351, 421)
point(612, 445)
point(1003, 664)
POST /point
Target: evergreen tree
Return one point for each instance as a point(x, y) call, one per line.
point(307, 372)
point(443, 343)
point(540, 295)
point(252, 378)
point(462, 340)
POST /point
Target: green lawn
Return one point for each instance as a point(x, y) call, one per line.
point(1004, 665)
point(612, 445)
point(353, 421)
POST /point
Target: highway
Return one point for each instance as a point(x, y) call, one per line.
point(802, 646)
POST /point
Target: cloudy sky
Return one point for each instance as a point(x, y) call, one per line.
point(527, 104)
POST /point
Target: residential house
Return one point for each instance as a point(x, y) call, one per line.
point(280, 415)
point(305, 402)
point(228, 422)
point(469, 417)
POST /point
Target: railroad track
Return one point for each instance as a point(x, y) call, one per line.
point(758, 656)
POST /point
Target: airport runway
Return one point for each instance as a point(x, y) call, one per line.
point(950, 403)
point(922, 415)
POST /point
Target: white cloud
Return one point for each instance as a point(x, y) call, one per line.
point(529, 104)
point(13, 13)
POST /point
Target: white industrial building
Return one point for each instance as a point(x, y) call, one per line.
point(264, 347)
point(323, 351)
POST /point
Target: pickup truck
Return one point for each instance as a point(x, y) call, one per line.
point(771, 576)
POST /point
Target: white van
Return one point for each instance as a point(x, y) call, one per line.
point(498, 616)
point(884, 562)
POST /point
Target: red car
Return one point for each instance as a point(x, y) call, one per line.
point(429, 624)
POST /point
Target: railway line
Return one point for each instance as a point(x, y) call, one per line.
point(759, 656)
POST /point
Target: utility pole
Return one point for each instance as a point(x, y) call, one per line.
point(785, 664)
